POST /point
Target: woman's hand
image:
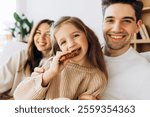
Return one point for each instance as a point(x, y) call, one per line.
point(37, 71)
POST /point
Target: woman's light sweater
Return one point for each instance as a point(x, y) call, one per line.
point(10, 73)
point(73, 81)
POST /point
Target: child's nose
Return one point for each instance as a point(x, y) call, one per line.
point(71, 44)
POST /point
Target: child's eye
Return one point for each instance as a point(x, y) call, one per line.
point(76, 35)
point(63, 42)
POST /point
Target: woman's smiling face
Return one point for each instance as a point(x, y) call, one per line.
point(42, 38)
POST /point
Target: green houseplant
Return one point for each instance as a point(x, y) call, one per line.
point(22, 27)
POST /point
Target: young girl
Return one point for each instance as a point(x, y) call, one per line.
point(77, 69)
point(22, 64)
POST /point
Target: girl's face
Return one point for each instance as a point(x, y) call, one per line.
point(71, 38)
point(42, 39)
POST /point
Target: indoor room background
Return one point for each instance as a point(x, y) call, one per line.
point(88, 10)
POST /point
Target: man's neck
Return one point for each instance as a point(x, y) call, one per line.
point(115, 52)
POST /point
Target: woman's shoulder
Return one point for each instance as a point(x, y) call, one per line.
point(21, 54)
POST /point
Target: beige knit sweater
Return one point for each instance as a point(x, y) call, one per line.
point(73, 81)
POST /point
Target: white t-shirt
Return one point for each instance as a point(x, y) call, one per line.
point(129, 76)
point(146, 55)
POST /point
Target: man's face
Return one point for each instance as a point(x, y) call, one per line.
point(119, 26)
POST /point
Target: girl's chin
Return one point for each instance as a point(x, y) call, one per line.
point(74, 61)
point(77, 61)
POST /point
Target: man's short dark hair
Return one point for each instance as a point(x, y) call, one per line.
point(136, 4)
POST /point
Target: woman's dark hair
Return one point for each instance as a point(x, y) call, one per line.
point(137, 6)
point(34, 56)
point(94, 53)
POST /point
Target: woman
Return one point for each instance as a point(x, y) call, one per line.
point(22, 64)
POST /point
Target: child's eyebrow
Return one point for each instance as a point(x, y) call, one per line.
point(78, 31)
point(60, 40)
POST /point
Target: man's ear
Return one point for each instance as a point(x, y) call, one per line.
point(139, 24)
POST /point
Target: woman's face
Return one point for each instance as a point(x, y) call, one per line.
point(71, 38)
point(42, 39)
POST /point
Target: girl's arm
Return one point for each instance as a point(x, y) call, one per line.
point(36, 86)
point(55, 67)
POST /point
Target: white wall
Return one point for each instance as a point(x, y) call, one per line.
point(21, 6)
point(88, 10)
point(7, 8)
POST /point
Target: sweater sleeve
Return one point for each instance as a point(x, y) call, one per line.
point(96, 85)
point(30, 88)
point(9, 69)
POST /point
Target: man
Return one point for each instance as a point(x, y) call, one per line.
point(129, 72)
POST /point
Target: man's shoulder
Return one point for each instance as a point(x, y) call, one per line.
point(138, 57)
point(146, 55)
